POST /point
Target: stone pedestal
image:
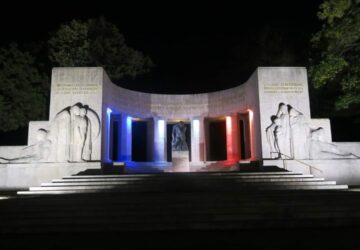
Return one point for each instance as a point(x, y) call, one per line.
point(180, 161)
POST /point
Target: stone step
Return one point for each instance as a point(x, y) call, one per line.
point(177, 175)
point(193, 199)
point(110, 180)
point(187, 178)
point(132, 189)
point(310, 187)
point(247, 182)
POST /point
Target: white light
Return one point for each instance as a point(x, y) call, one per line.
point(196, 125)
point(161, 128)
point(108, 113)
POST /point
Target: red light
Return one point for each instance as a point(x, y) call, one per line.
point(229, 139)
point(251, 123)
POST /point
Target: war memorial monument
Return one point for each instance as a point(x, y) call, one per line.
point(245, 167)
point(266, 119)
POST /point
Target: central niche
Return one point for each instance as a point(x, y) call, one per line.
point(169, 128)
point(216, 139)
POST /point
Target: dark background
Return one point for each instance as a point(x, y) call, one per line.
point(196, 48)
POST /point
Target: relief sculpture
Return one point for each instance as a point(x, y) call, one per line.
point(73, 131)
point(290, 136)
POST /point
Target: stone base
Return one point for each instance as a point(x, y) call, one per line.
point(24, 175)
point(180, 161)
point(343, 171)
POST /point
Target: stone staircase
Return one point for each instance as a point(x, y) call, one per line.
point(180, 209)
point(187, 182)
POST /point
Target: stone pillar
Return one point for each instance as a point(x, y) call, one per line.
point(159, 139)
point(197, 139)
point(245, 136)
point(232, 138)
point(126, 134)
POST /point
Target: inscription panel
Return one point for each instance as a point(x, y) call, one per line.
point(283, 88)
point(75, 88)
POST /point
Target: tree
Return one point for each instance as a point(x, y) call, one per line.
point(23, 89)
point(335, 63)
point(96, 42)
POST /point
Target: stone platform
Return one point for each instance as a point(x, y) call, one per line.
point(23, 175)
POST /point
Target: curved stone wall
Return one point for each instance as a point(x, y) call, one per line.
point(170, 106)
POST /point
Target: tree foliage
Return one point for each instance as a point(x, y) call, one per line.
point(24, 81)
point(336, 61)
point(23, 89)
point(96, 42)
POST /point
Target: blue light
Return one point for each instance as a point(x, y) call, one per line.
point(108, 113)
point(128, 122)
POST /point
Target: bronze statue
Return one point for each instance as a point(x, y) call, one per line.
point(179, 137)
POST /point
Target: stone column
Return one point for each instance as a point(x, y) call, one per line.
point(159, 139)
point(197, 139)
point(232, 137)
point(126, 134)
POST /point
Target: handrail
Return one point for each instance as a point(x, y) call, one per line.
point(289, 158)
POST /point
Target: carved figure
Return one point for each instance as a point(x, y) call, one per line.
point(73, 130)
point(69, 139)
point(86, 133)
point(270, 136)
point(60, 129)
point(43, 145)
point(290, 137)
point(283, 134)
point(179, 137)
point(300, 133)
point(320, 149)
point(38, 152)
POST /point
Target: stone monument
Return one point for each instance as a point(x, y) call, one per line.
point(180, 150)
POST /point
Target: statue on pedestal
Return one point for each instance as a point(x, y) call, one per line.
point(179, 137)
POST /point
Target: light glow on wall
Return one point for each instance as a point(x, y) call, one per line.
point(229, 139)
point(196, 124)
point(128, 122)
point(228, 125)
point(108, 116)
point(251, 124)
point(159, 137)
point(108, 112)
point(161, 128)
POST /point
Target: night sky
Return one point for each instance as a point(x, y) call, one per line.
point(196, 48)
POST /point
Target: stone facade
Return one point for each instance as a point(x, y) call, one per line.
point(272, 106)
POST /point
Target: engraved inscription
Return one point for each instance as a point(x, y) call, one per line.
point(283, 88)
point(75, 89)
